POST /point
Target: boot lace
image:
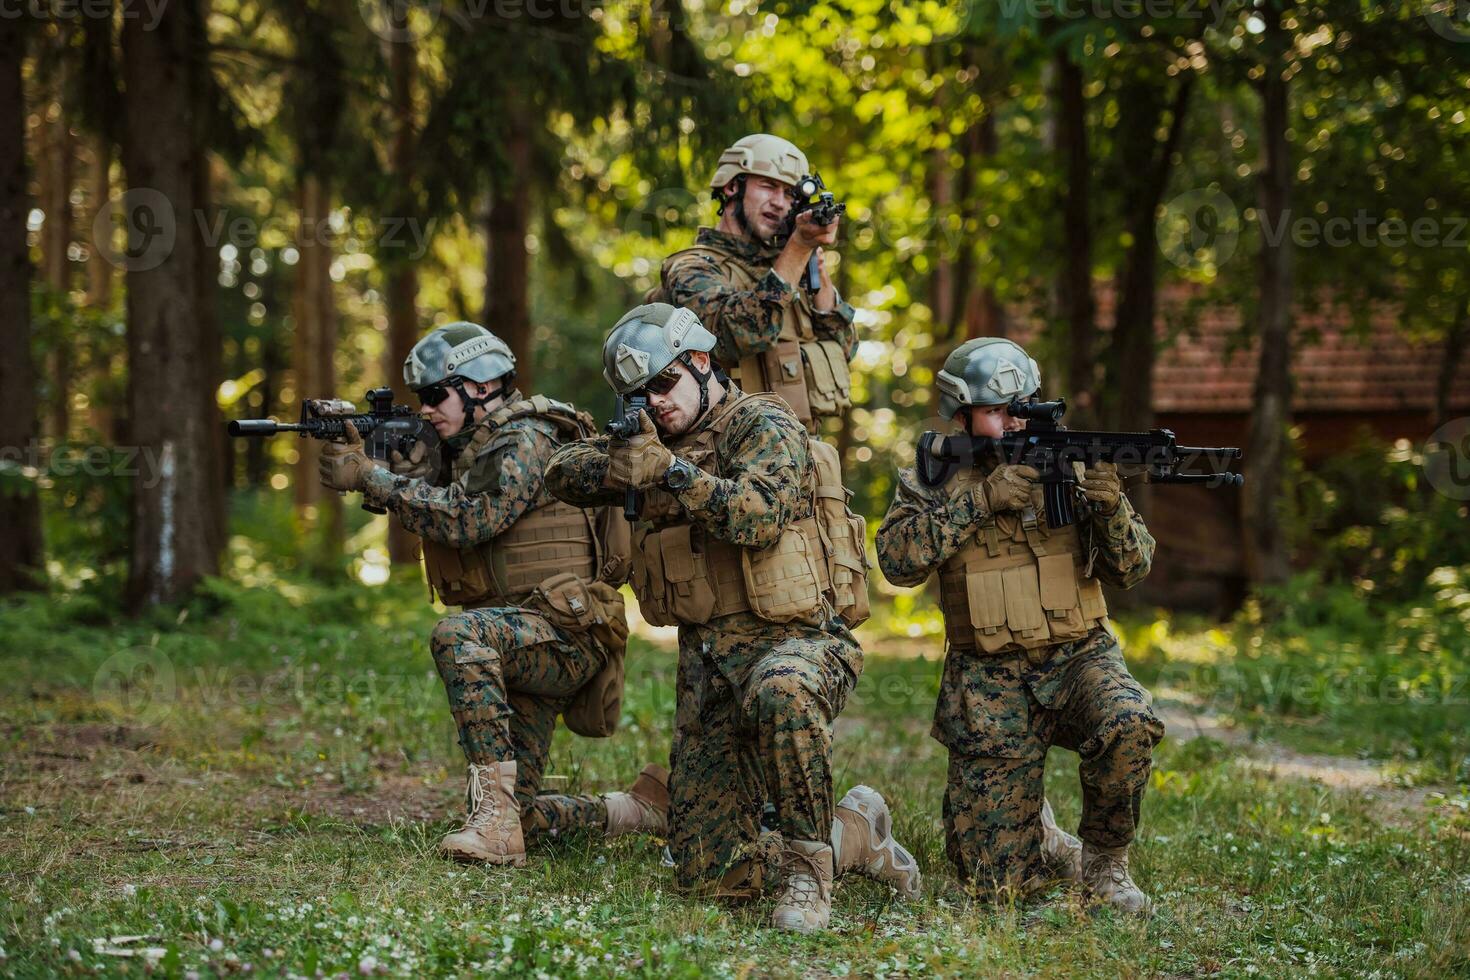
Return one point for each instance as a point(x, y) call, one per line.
point(483, 810)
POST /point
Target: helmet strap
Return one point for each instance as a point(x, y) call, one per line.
point(703, 378)
point(471, 403)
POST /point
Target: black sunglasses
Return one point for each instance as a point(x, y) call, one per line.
point(433, 395)
point(663, 382)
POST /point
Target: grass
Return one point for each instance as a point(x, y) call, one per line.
point(255, 783)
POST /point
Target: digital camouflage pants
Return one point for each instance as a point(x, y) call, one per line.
point(998, 716)
point(755, 706)
point(508, 673)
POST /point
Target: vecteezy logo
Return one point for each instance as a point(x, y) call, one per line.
point(1449, 18)
point(665, 208)
point(140, 680)
point(1199, 229)
point(1447, 459)
point(147, 218)
point(400, 21)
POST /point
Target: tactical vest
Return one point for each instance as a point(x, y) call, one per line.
point(811, 375)
point(546, 541)
point(817, 568)
point(1017, 584)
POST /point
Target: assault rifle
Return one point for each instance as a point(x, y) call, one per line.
point(1051, 448)
point(625, 425)
point(384, 428)
point(812, 195)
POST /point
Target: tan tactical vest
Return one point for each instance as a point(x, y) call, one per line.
point(1019, 585)
point(551, 539)
point(817, 568)
point(810, 374)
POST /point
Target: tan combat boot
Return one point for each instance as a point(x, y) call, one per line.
point(644, 808)
point(805, 904)
point(1060, 850)
point(1105, 874)
point(492, 832)
point(862, 841)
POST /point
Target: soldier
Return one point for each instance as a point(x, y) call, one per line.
point(744, 280)
point(757, 566)
point(1031, 662)
point(542, 630)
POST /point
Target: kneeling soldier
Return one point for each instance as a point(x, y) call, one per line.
point(751, 551)
point(1031, 662)
point(542, 631)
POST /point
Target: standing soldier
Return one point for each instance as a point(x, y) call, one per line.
point(542, 631)
point(746, 281)
point(1031, 662)
point(750, 550)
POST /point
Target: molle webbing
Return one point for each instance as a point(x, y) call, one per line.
point(1017, 585)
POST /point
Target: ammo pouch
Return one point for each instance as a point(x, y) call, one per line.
point(779, 370)
point(459, 576)
point(781, 580)
point(828, 378)
point(1024, 590)
point(594, 609)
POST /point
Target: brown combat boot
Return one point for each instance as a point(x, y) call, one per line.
point(1060, 850)
point(805, 904)
point(492, 832)
point(1105, 874)
point(862, 841)
point(644, 808)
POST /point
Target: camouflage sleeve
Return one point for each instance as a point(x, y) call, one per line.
point(745, 321)
point(575, 473)
point(504, 482)
point(1120, 548)
point(755, 494)
point(923, 527)
point(837, 324)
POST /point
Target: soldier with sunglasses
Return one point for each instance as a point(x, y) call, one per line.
point(542, 630)
point(737, 552)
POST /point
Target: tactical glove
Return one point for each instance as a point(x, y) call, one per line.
point(1010, 488)
point(1100, 484)
point(639, 462)
point(344, 465)
point(416, 464)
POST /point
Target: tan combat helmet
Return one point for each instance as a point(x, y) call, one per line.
point(761, 155)
point(986, 371)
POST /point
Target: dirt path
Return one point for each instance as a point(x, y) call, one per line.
point(1398, 805)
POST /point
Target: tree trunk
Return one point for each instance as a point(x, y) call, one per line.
point(507, 302)
point(1449, 369)
point(984, 316)
point(316, 341)
point(1074, 285)
point(99, 191)
point(58, 171)
point(166, 365)
point(22, 564)
point(1147, 172)
point(1267, 446)
point(402, 285)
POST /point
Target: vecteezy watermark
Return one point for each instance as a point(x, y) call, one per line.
point(1447, 459)
point(141, 680)
point(1448, 18)
point(1366, 230)
point(147, 218)
point(1152, 11)
point(151, 11)
point(665, 208)
point(400, 21)
point(150, 225)
point(1199, 229)
point(97, 462)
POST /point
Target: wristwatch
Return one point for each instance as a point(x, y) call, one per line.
point(680, 474)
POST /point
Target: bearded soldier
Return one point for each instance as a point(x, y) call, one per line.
point(1031, 662)
point(749, 549)
point(747, 281)
point(542, 631)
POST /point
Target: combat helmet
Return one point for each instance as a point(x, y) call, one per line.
point(457, 350)
point(761, 155)
point(986, 371)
